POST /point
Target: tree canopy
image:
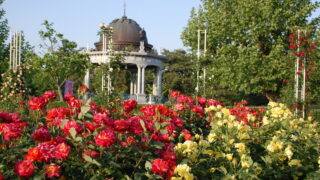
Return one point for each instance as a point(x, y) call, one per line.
point(61, 61)
point(248, 41)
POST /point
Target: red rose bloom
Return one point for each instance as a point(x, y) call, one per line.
point(34, 154)
point(105, 138)
point(148, 110)
point(174, 94)
point(24, 168)
point(12, 130)
point(36, 103)
point(71, 124)
point(62, 151)
point(49, 95)
point(41, 134)
point(91, 153)
point(53, 170)
point(121, 125)
point(69, 97)
point(84, 88)
point(75, 103)
point(129, 105)
point(160, 166)
point(55, 116)
point(202, 101)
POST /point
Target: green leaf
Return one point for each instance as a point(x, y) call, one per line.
point(143, 125)
point(148, 165)
point(92, 161)
point(164, 131)
point(165, 124)
point(158, 125)
point(85, 109)
point(73, 132)
point(223, 170)
point(79, 139)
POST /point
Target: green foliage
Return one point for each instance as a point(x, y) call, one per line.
point(4, 50)
point(181, 75)
point(247, 41)
point(61, 61)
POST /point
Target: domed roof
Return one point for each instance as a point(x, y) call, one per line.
point(126, 32)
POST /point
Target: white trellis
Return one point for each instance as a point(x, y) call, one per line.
point(300, 76)
point(198, 59)
point(15, 49)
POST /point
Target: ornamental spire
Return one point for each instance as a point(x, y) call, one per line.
point(124, 8)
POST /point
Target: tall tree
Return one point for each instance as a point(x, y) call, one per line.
point(180, 76)
point(247, 41)
point(61, 61)
point(4, 50)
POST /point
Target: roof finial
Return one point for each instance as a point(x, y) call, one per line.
point(124, 8)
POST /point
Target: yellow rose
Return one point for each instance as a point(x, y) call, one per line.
point(212, 137)
point(295, 162)
point(241, 147)
point(288, 152)
point(229, 156)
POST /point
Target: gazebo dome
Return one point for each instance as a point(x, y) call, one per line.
point(126, 34)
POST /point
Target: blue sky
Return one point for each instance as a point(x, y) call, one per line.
point(79, 20)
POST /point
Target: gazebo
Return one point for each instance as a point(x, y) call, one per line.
point(127, 34)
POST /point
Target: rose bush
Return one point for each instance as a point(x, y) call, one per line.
point(187, 138)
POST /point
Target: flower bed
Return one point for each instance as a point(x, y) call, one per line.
point(188, 138)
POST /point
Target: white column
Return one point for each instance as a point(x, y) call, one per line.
point(159, 82)
point(135, 85)
point(154, 85)
point(87, 79)
point(143, 79)
point(139, 79)
point(131, 86)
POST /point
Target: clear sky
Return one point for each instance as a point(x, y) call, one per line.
point(79, 20)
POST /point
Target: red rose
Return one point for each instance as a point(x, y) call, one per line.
point(84, 88)
point(36, 103)
point(129, 105)
point(41, 134)
point(62, 151)
point(12, 130)
point(24, 168)
point(34, 154)
point(49, 95)
point(160, 166)
point(202, 101)
point(105, 138)
point(55, 116)
point(91, 153)
point(75, 103)
point(71, 124)
point(174, 94)
point(69, 97)
point(163, 110)
point(148, 110)
point(47, 150)
point(121, 125)
point(53, 170)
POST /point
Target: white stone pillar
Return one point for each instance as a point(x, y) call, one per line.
point(143, 79)
point(131, 86)
point(139, 79)
point(154, 85)
point(135, 85)
point(87, 79)
point(159, 82)
point(87, 82)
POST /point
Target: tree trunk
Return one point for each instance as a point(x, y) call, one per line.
point(272, 96)
point(60, 93)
